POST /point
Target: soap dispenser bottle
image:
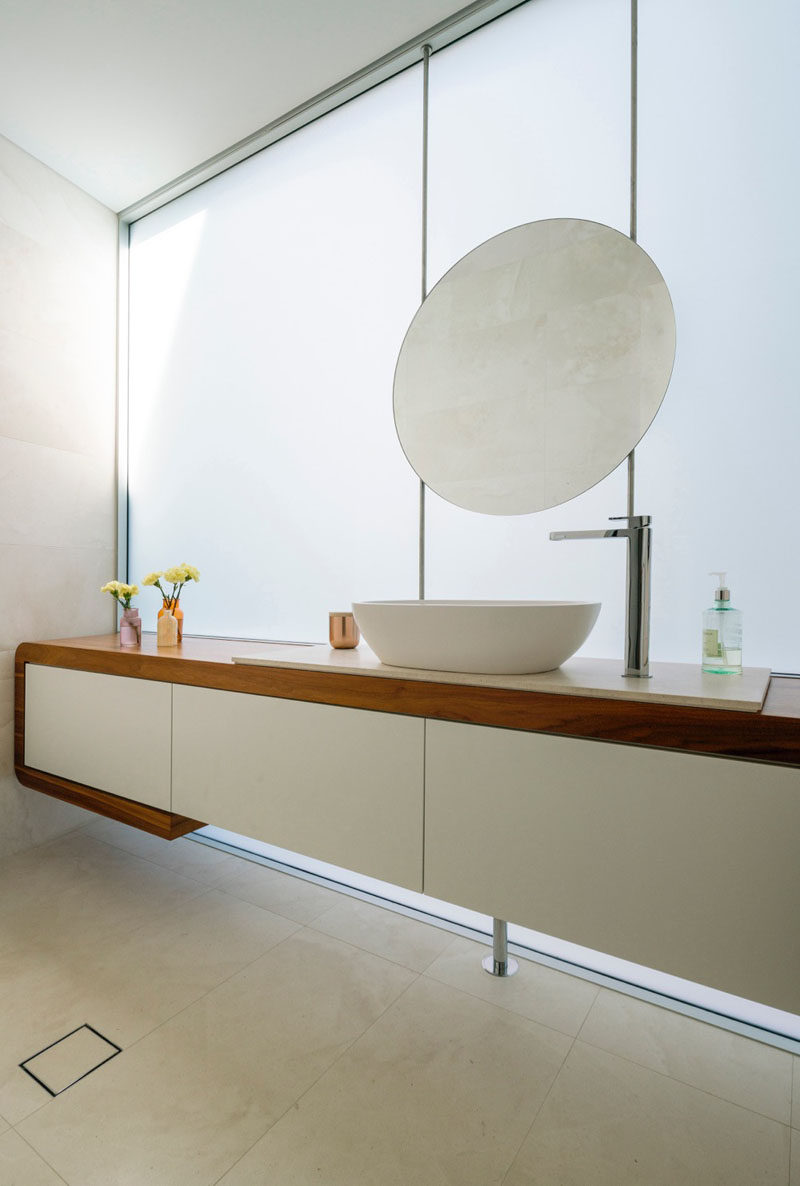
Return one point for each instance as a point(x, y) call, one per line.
point(722, 633)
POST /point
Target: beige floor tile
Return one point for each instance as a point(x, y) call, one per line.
point(124, 988)
point(21, 1166)
point(184, 856)
point(183, 1104)
point(77, 885)
point(293, 897)
point(537, 992)
point(794, 1172)
point(384, 932)
point(796, 1091)
point(440, 1092)
point(610, 1122)
point(735, 1068)
point(20, 1096)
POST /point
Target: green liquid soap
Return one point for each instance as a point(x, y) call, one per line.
point(722, 634)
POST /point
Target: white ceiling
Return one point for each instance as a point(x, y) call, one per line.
point(123, 97)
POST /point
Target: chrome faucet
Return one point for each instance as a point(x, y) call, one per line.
point(637, 609)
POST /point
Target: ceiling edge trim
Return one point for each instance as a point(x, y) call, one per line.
point(438, 37)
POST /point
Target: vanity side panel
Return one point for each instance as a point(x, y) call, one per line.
point(105, 731)
point(682, 863)
point(342, 785)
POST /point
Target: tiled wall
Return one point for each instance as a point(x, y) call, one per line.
point(58, 262)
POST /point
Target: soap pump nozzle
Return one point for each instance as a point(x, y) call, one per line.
point(722, 592)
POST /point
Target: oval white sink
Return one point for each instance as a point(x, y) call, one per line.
point(483, 637)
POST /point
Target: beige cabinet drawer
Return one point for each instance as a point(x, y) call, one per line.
point(682, 863)
point(105, 731)
point(343, 785)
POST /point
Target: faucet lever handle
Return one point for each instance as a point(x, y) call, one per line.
point(632, 520)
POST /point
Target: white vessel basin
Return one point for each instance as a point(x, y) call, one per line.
point(484, 637)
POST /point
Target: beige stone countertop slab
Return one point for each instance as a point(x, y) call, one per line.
point(670, 683)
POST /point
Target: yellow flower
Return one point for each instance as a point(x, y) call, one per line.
point(177, 577)
point(121, 592)
point(182, 573)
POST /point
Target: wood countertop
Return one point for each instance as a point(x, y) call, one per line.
point(770, 735)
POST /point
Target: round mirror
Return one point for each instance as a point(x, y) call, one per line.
point(534, 366)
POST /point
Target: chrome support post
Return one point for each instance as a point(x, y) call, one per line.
point(499, 963)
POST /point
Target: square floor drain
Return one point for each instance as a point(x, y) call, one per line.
point(71, 1058)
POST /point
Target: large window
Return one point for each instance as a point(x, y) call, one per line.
point(719, 169)
point(267, 308)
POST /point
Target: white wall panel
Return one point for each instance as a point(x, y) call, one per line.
point(58, 269)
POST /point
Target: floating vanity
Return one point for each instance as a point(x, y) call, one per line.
point(605, 811)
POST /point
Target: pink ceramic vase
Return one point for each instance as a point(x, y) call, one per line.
point(130, 628)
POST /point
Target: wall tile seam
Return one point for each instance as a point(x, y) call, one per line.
point(71, 352)
point(101, 456)
point(81, 261)
point(80, 548)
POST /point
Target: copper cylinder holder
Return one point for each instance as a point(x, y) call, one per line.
point(342, 630)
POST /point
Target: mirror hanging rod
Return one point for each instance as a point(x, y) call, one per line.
point(634, 193)
point(634, 113)
point(426, 57)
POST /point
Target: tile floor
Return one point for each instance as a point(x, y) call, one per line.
point(276, 1033)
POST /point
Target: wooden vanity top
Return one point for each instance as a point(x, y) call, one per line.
point(771, 735)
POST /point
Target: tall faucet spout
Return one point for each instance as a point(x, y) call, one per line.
point(583, 534)
point(638, 533)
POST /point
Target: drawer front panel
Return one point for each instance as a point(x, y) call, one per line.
point(106, 731)
point(342, 785)
point(682, 863)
